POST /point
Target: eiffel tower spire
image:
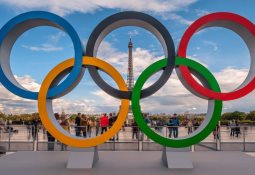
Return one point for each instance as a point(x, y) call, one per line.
point(130, 73)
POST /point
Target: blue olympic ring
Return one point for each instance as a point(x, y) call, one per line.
point(17, 26)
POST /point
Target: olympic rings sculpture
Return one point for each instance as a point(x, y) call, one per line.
point(74, 68)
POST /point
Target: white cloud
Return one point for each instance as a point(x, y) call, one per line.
point(200, 12)
point(50, 45)
point(73, 106)
point(65, 7)
point(231, 78)
point(180, 19)
point(173, 97)
point(212, 44)
point(54, 39)
point(107, 99)
point(12, 104)
point(133, 33)
point(28, 82)
point(43, 47)
point(195, 58)
point(142, 58)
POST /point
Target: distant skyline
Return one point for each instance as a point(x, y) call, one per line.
point(41, 49)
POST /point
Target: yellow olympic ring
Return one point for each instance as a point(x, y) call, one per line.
point(65, 137)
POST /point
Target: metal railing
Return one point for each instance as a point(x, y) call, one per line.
point(31, 138)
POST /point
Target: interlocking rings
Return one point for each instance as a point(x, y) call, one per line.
point(245, 29)
point(18, 25)
point(47, 115)
point(213, 112)
point(75, 67)
point(132, 19)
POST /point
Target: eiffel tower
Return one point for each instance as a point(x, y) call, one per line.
point(130, 77)
point(130, 73)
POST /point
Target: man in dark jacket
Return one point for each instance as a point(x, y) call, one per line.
point(112, 120)
point(51, 139)
point(170, 127)
point(134, 130)
point(78, 125)
point(175, 126)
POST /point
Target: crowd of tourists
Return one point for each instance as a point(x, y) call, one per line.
point(83, 126)
point(234, 128)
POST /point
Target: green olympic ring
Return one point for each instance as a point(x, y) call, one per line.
point(199, 134)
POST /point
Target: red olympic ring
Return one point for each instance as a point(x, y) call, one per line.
point(223, 19)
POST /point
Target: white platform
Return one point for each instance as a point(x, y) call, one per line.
point(177, 158)
point(127, 163)
point(82, 158)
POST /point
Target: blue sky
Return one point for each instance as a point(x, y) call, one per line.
point(38, 50)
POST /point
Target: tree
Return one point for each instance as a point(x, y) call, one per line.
point(2, 117)
point(182, 117)
point(251, 116)
point(237, 115)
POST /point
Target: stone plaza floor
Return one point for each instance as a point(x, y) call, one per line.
point(127, 163)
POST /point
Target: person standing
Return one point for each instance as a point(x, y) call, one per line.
point(51, 139)
point(112, 120)
point(89, 127)
point(84, 124)
point(35, 124)
point(65, 123)
point(97, 125)
point(159, 125)
point(104, 123)
point(66, 126)
point(170, 127)
point(148, 123)
point(237, 128)
point(232, 128)
point(196, 124)
point(147, 120)
point(190, 127)
point(134, 130)
point(124, 126)
point(216, 132)
point(78, 125)
point(175, 126)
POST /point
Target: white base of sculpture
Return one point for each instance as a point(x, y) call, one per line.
point(177, 158)
point(82, 158)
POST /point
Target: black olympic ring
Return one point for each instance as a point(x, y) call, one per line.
point(131, 18)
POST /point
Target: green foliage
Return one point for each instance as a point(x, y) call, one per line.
point(237, 115)
point(247, 122)
point(242, 117)
point(72, 117)
point(224, 122)
point(251, 116)
point(199, 118)
point(92, 118)
point(19, 119)
point(182, 118)
point(2, 116)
